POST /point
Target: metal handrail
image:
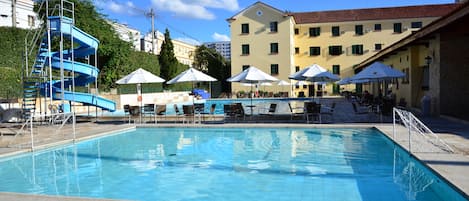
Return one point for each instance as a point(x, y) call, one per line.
point(413, 124)
point(52, 117)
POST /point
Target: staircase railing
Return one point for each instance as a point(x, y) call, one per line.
point(419, 135)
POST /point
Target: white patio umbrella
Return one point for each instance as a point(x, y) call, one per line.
point(378, 72)
point(284, 83)
point(349, 80)
point(314, 73)
point(191, 75)
point(139, 77)
point(252, 75)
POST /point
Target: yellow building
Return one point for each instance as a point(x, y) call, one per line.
point(436, 66)
point(281, 43)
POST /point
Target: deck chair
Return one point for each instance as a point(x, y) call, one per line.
point(313, 112)
point(127, 111)
point(149, 110)
point(239, 111)
point(296, 112)
point(269, 111)
point(228, 111)
point(211, 112)
point(188, 111)
point(329, 111)
point(134, 112)
point(160, 111)
point(360, 110)
point(177, 112)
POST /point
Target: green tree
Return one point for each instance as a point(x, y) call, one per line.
point(211, 62)
point(168, 62)
point(11, 61)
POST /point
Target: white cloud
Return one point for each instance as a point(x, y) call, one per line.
point(220, 37)
point(128, 8)
point(195, 8)
point(189, 40)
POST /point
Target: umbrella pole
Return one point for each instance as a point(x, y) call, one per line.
point(139, 98)
point(252, 94)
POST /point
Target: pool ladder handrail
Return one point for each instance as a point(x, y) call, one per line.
point(413, 124)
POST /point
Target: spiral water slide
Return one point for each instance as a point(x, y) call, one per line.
point(84, 73)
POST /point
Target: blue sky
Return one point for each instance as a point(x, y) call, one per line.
point(198, 21)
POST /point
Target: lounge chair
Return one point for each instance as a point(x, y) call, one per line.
point(360, 110)
point(313, 111)
point(296, 112)
point(160, 110)
point(177, 112)
point(188, 111)
point(269, 111)
point(329, 111)
point(149, 110)
point(127, 111)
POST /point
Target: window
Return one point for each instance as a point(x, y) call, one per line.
point(244, 28)
point(357, 49)
point(297, 50)
point(314, 31)
point(297, 31)
point(273, 26)
point(405, 80)
point(314, 51)
point(335, 50)
point(378, 46)
point(377, 27)
point(335, 31)
point(297, 68)
point(245, 49)
point(274, 69)
point(416, 25)
point(336, 69)
point(31, 21)
point(273, 48)
point(245, 67)
point(397, 27)
point(358, 29)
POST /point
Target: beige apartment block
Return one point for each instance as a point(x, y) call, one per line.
point(281, 43)
point(184, 52)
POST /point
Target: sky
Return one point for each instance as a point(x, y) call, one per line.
point(199, 21)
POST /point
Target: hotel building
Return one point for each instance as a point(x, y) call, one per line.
point(281, 43)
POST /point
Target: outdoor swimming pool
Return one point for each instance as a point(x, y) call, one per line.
point(228, 164)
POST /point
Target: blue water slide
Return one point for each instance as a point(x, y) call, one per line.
point(84, 73)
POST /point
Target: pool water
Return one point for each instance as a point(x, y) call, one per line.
point(228, 164)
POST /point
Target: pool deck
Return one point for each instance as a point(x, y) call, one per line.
point(454, 167)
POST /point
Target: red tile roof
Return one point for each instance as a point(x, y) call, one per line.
point(373, 13)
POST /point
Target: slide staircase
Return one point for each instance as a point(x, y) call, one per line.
point(37, 82)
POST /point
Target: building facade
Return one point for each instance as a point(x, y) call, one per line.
point(281, 43)
point(18, 13)
point(127, 34)
point(435, 65)
point(182, 51)
point(222, 47)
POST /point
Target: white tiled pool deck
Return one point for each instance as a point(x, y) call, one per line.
point(454, 167)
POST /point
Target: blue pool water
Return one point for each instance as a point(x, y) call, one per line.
point(228, 164)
